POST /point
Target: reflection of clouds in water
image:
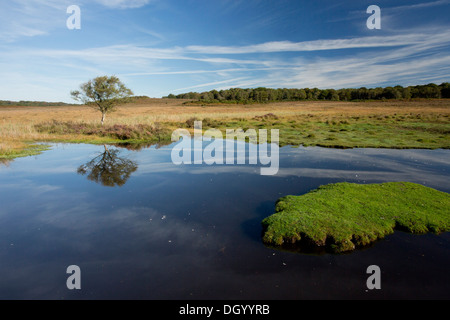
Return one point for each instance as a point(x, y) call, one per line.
point(139, 251)
point(37, 171)
point(315, 162)
point(384, 158)
point(142, 225)
point(37, 189)
point(403, 173)
point(220, 151)
point(421, 166)
point(408, 174)
point(108, 244)
point(364, 165)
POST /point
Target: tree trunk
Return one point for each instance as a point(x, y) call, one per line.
point(103, 117)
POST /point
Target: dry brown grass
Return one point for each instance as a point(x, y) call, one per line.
point(17, 123)
point(167, 110)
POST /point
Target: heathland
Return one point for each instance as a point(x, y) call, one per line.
point(356, 215)
point(417, 123)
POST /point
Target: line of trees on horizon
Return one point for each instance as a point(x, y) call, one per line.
point(262, 94)
point(32, 103)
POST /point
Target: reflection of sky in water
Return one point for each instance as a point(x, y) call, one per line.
point(193, 231)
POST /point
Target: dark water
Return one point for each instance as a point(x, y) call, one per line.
point(193, 231)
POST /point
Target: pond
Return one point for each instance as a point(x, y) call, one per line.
point(140, 227)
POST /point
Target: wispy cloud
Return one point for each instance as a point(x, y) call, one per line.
point(206, 85)
point(411, 42)
point(405, 56)
point(316, 45)
point(24, 18)
point(124, 4)
point(389, 13)
point(20, 18)
point(19, 31)
point(150, 32)
point(420, 5)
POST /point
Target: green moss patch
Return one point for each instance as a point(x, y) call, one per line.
point(343, 216)
point(30, 150)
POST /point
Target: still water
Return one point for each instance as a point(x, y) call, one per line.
point(140, 227)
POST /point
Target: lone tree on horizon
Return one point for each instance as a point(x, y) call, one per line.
point(103, 93)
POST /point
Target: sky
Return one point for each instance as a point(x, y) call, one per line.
point(158, 47)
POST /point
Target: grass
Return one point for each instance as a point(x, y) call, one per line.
point(119, 132)
point(18, 150)
point(343, 216)
point(423, 124)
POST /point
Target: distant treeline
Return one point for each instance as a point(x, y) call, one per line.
point(32, 103)
point(261, 95)
point(54, 104)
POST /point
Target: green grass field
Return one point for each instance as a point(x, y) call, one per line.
point(343, 216)
point(390, 131)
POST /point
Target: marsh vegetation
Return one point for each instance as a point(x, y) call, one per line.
point(421, 124)
point(341, 217)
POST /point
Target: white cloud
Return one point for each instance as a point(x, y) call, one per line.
point(407, 43)
point(420, 5)
point(24, 18)
point(124, 4)
point(316, 45)
point(20, 18)
point(406, 58)
point(204, 85)
point(20, 31)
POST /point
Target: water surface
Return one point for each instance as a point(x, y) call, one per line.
point(161, 231)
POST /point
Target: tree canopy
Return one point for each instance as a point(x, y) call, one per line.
point(103, 93)
point(261, 95)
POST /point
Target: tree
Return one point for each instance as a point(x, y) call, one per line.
point(323, 94)
point(216, 95)
point(406, 93)
point(103, 93)
point(207, 96)
point(301, 95)
point(332, 95)
point(445, 90)
point(108, 169)
point(345, 94)
point(391, 93)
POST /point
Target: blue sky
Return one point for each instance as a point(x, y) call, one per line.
point(157, 47)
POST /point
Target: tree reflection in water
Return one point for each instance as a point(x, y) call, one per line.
point(5, 162)
point(108, 169)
